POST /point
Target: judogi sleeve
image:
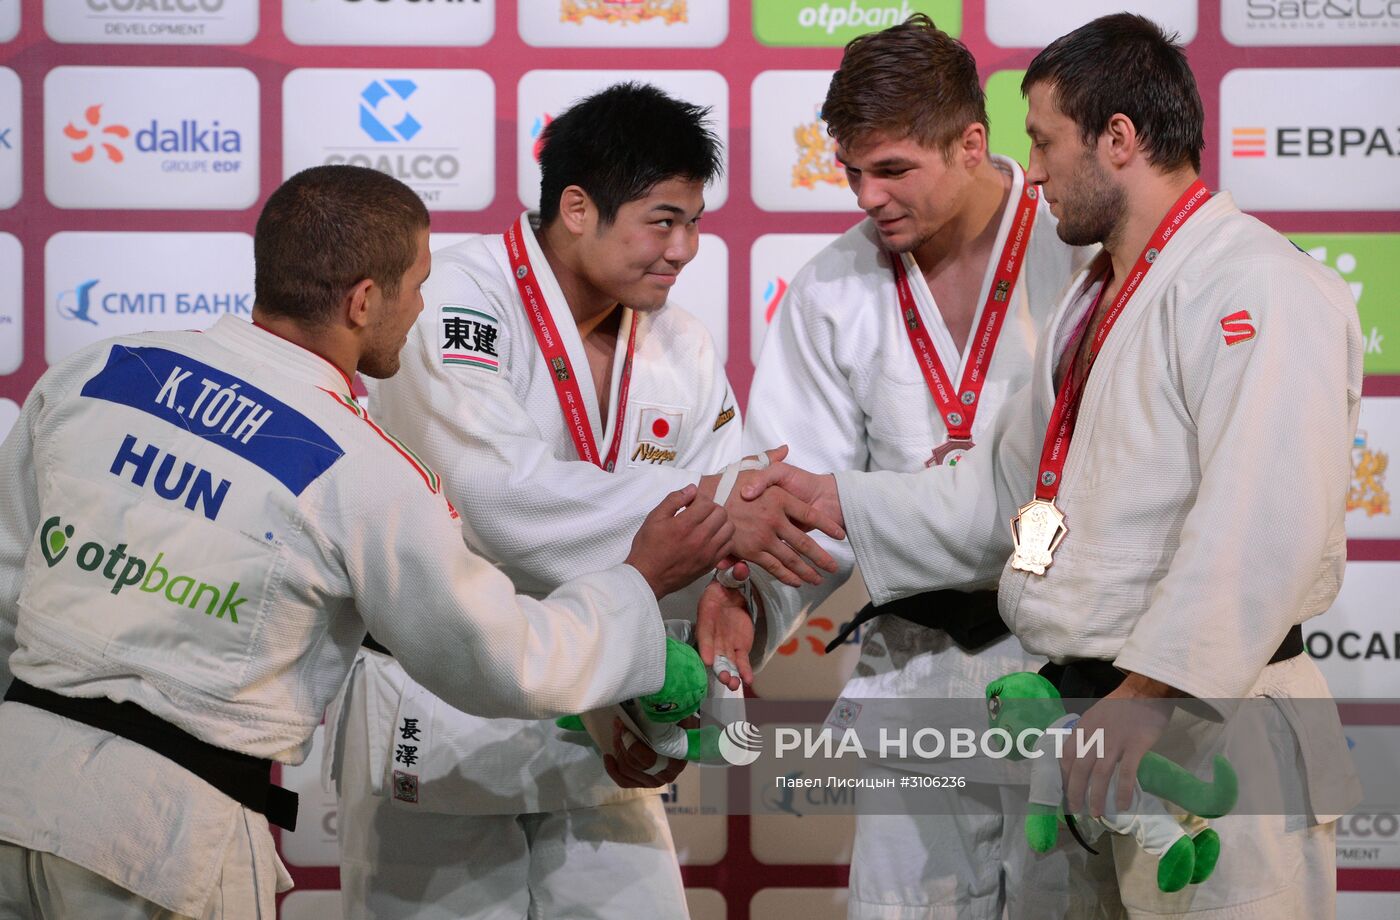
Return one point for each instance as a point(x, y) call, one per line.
point(802, 397)
point(19, 495)
point(1269, 419)
point(551, 519)
point(947, 526)
point(456, 624)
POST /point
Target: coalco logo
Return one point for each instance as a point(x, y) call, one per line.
point(399, 125)
point(177, 22)
point(126, 571)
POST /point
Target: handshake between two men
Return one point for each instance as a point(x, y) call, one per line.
point(740, 517)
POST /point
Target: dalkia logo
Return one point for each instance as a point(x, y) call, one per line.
point(816, 156)
point(92, 118)
point(125, 570)
point(1349, 142)
point(1368, 466)
point(189, 136)
point(625, 12)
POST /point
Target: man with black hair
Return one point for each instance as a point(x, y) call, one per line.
point(554, 385)
point(895, 348)
point(1175, 474)
point(195, 531)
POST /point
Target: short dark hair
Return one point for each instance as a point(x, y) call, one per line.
point(1126, 64)
point(618, 144)
point(910, 80)
point(325, 230)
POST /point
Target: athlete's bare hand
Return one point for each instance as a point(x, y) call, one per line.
point(723, 625)
point(818, 491)
point(680, 540)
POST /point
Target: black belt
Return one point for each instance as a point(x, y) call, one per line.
point(369, 643)
point(970, 618)
point(241, 777)
point(1092, 679)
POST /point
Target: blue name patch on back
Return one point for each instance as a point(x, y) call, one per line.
point(220, 408)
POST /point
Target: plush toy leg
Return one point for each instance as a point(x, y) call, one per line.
point(570, 723)
point(1176, 867)
point(1042, 827)
point(1207, 847)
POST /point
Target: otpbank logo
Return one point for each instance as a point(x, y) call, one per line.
point(544, 94)
point(1311, 139)
point(835, 22)
point(623, 23)
point(151, 137)
point(117, 568)
point(152, 22)
point(457, 23)
point(434, 130)
point(1370, 265)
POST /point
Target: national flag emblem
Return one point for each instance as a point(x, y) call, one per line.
point(1237, 327)
point(661, 428)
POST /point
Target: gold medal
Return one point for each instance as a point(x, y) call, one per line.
point(1036, 531)
point(950, 452)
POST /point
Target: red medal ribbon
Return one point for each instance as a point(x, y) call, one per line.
point(958, 411)
point(1066, 412)
point(556, 358)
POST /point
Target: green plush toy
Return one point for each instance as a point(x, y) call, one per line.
point(1186, 848)
point(653, 718)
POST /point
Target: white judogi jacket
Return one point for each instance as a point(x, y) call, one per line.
point(492, 424)
point(1205, 485)
point(839, 383)
point(205, 525)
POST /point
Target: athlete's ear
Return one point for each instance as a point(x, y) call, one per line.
point(358, 303)
point(574, 209)
point(971, 148)
point(1120, 139)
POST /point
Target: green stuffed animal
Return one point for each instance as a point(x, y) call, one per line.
point(685, 687)
point(1186, 848)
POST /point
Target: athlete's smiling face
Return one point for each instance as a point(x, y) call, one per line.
point(909, 190)
point(636, 258)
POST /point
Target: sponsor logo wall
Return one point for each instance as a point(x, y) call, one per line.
point(98, 285)
point(134, 192)
point(9, 19)
point(451, 23)
point(11, 303)
point(432, 129)
point(1311, 139)
point(151, 137)
point(545, 93)
point(148, 22)
point(1034, 24)
point(10, 145)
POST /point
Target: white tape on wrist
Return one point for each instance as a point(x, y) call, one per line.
point(732, 471)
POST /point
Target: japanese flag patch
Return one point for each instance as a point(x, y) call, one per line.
point(467, 337)
point(658, 434)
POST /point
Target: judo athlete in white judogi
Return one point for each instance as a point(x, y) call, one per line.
point(875, 362)
point(512, 818)
point(195, 530)
point(1177, 470)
